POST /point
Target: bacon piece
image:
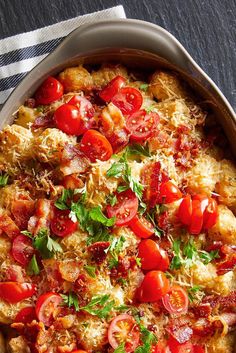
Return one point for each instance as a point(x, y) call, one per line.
point(44, 121)
point(229, 318)
point(72, 182)
point(122, 269)
point(41, 218)
point(163, 222)
point(227, 265)
point(152, 176)
point(8, 226)
point(73, 161)
point(53, 274)
point(22, 210)
point(98, 251)
point(119, 139)
point(13, 273)
point(203, 327)
point(202, 310)
point(30, 102)
point(180, 329)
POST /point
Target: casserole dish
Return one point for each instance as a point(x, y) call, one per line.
point(135, 56)
point(93, 40)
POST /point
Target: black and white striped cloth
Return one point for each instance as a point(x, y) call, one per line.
point(20, 53)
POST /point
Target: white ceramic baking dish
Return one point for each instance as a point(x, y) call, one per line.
point(135, 43)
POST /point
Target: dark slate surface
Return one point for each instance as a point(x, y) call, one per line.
point(207, 28)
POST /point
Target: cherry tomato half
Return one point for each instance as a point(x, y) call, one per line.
point(124, 329)
point(22, 249)
point(113, 87)
point(152, 256)
point(96, 146)
point(14, 292)
point(128, 100)
point(210, 214)
point(154, 286)
point(125, 209)
point(49, 91)
point(185, 210)
point(176, 300)
point(169, 192)
point(141, 227)
point(26, 315)
point(196, 218)
point(68, 120)
point(141, 125)
point(46, 305)
point(61, 224)
point(86, 111)
point(176, 347)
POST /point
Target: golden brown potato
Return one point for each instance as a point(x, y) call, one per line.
point(50, 143)
point(107, 73)
point(26, 116)
point(15, 144)
point(75, 79)
point(18, 345)
point(204, 175)
point(165, 85)
point(225, 344)
point(226, 186)
point(225, 227)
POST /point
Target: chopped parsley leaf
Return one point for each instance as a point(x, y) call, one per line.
point(33, 267)
point(4, 179)
point(112, 200)
point(148, 339)
point(120, 348)
point(91, 270)
point(192, 292)
point(42, 241)
point(144, 87)
point(137, 149)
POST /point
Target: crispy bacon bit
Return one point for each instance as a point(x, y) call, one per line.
point(227, 265)
point(22, 210)
point(98, 251)
point(218, 302)
point(180, 330)
point(119, 139)
point(152, 176)
point(73, 161)
point(41, 218)
point(14, 273)
point(72, 182)
point(203, 327)
point(202, 310)
point(163, 222)
point(81, 283)
point(8, 226)
point(229, 318)
point(30, 102)
point(44, 121)
point(53, 274)
point(121, 270)
point(186, 150)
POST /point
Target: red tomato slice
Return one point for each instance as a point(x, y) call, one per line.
point(210, 214)
point(49, 91)
point(128, 100)
point(141, 227)
point(176, 300)
point(169, 192)
point(176, 347)
point(199, 349)
point(86, 111)
point(46, 305)
point(141, 125)
point(22, 249)
point(69, 120)
point(125, 209)
point(185, 210)
point(61, 224)
point(108, 92)
point(152, 256)
point(26, 315)
point(14, 292)
point(124, 329)
point(196, 223)
point(160, 347)
point(154, 286)
point(96, 146)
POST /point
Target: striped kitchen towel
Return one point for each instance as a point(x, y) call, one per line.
point(20, 53)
